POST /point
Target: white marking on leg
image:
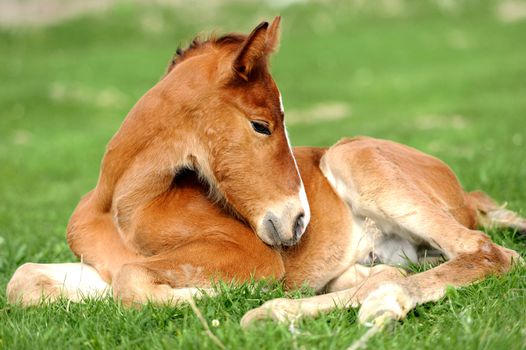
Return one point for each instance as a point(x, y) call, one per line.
point(74, 281)
point(388, 301)
point(182, 295)
point(75, 278)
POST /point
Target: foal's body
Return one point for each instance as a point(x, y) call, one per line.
point(154, 231)
point(183, 239)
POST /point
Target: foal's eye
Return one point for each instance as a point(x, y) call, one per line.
point(260, 127)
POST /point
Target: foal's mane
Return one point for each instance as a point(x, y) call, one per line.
point(197, 43)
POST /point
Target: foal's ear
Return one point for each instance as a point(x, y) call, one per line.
point(273, 35)
point(253, 49)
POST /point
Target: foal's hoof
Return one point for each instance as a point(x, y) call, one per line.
point(388, 302)
point(280, 310)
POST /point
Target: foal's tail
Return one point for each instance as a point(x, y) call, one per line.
point(492, 215)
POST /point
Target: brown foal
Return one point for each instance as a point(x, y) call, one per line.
point(202, 162)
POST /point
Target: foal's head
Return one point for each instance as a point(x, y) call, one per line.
point(237, 140)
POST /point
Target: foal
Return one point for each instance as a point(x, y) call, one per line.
point(202, 162)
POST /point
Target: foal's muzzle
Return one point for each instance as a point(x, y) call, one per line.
point(279, 233)
point(284, 225)
point(284, 229)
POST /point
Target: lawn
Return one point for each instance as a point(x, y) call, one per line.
point(446, 77)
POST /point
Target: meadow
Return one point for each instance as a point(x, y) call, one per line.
point(448, 78)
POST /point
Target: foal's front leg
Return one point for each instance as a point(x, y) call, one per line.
point(356, 275)
point(347, 290)
point(186, 271)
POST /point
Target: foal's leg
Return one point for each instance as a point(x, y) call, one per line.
point(33, 283)
point(345, 290)
point(357, 274)
point(138, 283)
point(175, 276)
point(383, 190)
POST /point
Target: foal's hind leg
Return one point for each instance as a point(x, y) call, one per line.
point(395, 196)
point(34, 283)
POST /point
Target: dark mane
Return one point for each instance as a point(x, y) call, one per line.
point(197, 43)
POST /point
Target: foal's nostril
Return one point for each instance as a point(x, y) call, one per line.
point(298, 226)
point(270, 224)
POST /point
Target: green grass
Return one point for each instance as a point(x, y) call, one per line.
point(452, 83)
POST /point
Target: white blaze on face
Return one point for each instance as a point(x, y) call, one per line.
point(281, 104)
point(302, 193)
point(305, 205)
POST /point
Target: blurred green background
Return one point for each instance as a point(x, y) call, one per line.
point(447, 77)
